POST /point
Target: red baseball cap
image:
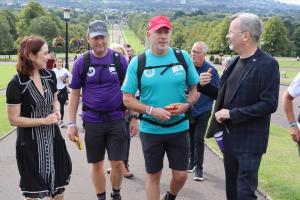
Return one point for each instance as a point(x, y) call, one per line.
point(157, 22)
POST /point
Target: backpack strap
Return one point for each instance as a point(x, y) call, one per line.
point(140, 68)
point(86, 66)
point(142, 64)
point(117, 63)
point(164, 125)
point(181, 60)
point(119, 67)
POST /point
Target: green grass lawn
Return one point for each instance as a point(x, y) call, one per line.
point(288, 62)
point(287, 76)
point(132, 39)
point(4, 125)
point(6, 73)
point(279, 170)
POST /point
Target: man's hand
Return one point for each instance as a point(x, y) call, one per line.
point(205, 77)
point(161, 114)
point(72, 132)
point(295, 133)
point(133, 127)
point(221, 115)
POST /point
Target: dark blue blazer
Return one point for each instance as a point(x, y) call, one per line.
point(254, 98)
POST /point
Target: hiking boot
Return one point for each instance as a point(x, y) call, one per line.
point(164, 197)
point(191, 167)
point(198, 175)
point(167, 196)
point(115, 197)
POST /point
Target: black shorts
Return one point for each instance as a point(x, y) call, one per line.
point(110, 136)
point(176, 146)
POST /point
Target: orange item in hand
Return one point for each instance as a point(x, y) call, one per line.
point(171, 107)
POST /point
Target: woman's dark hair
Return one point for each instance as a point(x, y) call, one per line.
point(31, 44)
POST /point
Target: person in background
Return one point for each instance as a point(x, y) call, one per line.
point(288, 97)
point(51, 60)
point(126, 172)
point(63, 78)
point(200, 112)
point(31, 96)
point(129, 51)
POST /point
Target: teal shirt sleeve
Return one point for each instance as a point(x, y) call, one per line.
point(192, 78)
point(130, 84)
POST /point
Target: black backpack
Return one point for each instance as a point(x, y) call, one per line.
point(142, 64)
point(140, 70)
point(117, 64)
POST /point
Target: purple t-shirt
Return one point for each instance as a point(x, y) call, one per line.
point(102, 87)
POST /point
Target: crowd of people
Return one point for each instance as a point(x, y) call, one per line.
point(164, 94)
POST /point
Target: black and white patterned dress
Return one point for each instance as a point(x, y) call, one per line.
point(43, 161)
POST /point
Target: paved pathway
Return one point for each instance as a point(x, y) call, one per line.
point(80, 187)
point(117, 36)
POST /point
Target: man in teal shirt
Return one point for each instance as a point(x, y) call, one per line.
point(163, 103)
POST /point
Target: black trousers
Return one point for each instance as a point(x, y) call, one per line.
point(62, 98)
point(241, 173)
point(197, 132)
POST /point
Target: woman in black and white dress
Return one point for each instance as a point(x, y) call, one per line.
point(43, 161)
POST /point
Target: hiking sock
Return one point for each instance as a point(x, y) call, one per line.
point(115, 193)
point(170, 196)
point(101, 196)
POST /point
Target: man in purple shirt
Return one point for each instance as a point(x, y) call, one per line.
point(103, 113)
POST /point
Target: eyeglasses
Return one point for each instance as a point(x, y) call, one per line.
point(197, 52)
point(230, 32)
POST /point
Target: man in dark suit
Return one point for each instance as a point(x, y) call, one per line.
point(247, 95)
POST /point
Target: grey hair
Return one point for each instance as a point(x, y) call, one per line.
point(205, 47)
point(250, 23)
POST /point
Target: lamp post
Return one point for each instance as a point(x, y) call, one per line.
point(67, 18)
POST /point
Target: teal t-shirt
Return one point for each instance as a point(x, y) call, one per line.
point(160, 90)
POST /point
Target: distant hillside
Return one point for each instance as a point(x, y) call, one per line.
point(266, 7)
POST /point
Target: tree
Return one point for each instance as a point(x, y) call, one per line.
point(296, 40)
point(274, 38)
point(45, 27)
point(6, 39)
point(8, 32)
point(178, 14)
point(11, 19)
point(28, 13)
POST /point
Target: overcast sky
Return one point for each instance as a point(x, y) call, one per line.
point(290, 1)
